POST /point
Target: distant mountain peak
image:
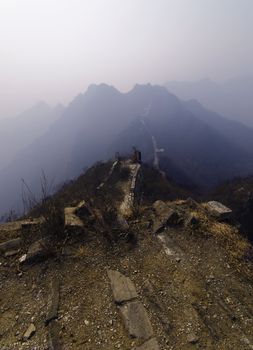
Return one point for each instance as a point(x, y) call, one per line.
point(148, 87)
point(232, 98)
point(103, 88)
point(141, 86)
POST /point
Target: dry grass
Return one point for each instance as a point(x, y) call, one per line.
point(228, 236)
point(82, 252)
point(235, 244)
point(178, 202)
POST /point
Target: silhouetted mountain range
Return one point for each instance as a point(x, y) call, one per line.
point(232, 98)
point(191, 144)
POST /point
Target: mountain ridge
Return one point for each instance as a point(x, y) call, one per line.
point(231, 98)
point(90, 127)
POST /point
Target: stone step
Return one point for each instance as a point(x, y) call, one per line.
point(134, 315)
point(136, 320)
point(123, 288)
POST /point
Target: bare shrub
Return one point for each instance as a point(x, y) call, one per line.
point(47, 207)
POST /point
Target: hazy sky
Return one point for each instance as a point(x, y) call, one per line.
point(53, 49)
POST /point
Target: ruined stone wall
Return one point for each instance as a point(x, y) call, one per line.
point(136, 185)
point(133, 195)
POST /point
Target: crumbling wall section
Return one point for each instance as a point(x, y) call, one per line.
point(132, 196)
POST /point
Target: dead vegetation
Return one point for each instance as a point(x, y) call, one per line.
point(224, 232)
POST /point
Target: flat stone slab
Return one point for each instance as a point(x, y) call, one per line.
point(54, 301)
point(123, 288)
point(17, 225)
point(136, 320)
point(26, 224)
point(151, 344)
point(13, 244)
point(219, 210)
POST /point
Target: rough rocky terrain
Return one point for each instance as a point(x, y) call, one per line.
point(183, 282)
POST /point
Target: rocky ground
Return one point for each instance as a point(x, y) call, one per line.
point(185, 282)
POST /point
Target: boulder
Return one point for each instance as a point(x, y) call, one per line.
point(169, 217)
point(122, 287)
point(38, 251)
point(136, 320)
point(219, 210)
